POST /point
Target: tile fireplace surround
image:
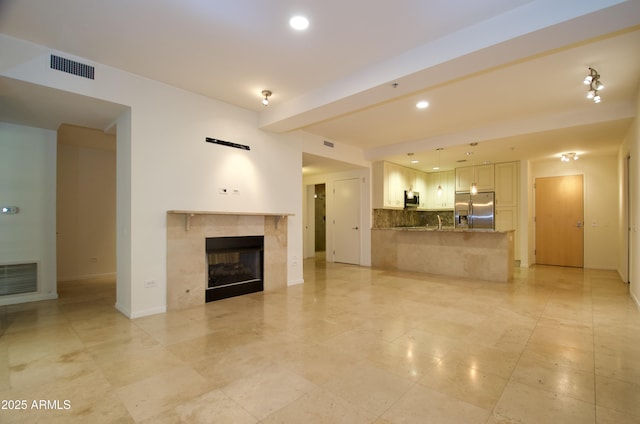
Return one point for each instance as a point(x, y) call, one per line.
point(186, 258)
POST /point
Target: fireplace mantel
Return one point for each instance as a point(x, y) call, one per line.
point(189, 214)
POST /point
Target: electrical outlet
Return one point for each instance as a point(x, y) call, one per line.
point(235, 191)
point(150, 283)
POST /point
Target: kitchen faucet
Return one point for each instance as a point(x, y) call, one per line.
point(439, 222)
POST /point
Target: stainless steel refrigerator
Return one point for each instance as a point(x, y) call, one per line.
point(475, 211)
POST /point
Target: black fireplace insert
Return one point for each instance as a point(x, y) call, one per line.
point(234, 266)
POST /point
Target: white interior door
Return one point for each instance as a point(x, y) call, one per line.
point(346, 224)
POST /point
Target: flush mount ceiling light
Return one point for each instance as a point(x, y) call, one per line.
point(566, 157)
point(414, 161)
point(595, 85)
point(422, 104)
point(266, 94)
point(299, 23)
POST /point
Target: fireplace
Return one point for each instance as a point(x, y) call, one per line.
point(187, 259)
point(234, 266)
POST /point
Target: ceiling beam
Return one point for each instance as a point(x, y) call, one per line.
point(534, 28)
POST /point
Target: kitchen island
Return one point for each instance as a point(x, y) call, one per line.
point(476, 254)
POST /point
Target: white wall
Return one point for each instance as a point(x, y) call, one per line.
point(28, 180)
point(164, 164)
point(86, 203)
point(600, 204)
point(631, 147)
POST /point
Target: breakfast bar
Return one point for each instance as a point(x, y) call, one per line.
point(474, 254)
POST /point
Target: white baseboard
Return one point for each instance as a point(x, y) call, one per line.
point(295, 282)
point(26, 298)
point(147, 312)
point(635, 299)
point(139, 314)
point(88, 277)
point(124, 311)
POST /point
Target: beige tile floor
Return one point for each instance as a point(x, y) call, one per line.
point(351, 345)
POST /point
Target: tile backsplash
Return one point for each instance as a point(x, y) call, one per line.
point(388, 218)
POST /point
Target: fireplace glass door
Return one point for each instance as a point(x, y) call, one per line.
point(234, 266)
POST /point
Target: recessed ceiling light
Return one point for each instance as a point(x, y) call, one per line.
point(423, 104)
point(299, 22)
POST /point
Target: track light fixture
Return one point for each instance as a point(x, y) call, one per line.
point(595, 85)
point(266, 94)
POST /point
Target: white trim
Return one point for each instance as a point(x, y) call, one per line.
point(87, 277)
point(635, 299)
point(146, 312)
point(124, 311)
point(295, 282)
point(13, 299)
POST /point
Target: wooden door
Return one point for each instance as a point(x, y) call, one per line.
point(559, 221)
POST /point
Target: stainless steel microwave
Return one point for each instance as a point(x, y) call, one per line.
point(411, 199)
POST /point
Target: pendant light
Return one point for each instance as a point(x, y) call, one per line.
point(474, 186)
point(410, 193)
point(439, 149)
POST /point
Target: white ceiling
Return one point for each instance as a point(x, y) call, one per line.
point(504, 73)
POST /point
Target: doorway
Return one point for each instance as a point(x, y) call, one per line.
point(559, 221)
point(320, 218)
point(85, 204)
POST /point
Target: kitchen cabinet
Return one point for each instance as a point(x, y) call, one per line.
point(507, 182)
point(389, 182)
point(421, 185)
point(506, 218)
point(482, 175)
point(446, 200)
point(506, 179)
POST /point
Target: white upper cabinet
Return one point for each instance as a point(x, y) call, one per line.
point(421, 185)
point(506, 176)
point(389, 183)
point(482, 175)
point(445, 200)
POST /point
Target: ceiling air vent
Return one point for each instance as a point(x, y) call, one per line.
point(72, 67)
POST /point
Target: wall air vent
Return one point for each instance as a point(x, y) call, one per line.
point(18, 278)
point(72, 67)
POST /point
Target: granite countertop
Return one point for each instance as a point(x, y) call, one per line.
point(443, 229)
